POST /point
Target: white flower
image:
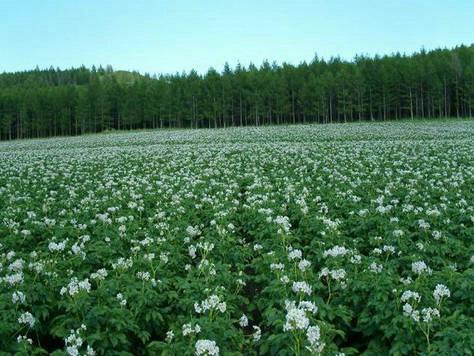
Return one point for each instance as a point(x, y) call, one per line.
point(307, 306)
point(149, 256)
point(206, 246)
point(429, 313)
point(277, 266)
point(296, 320)
point(164, 257)
point(375, 268)
point(356, 259)
point(213, 302)
point(406, 281)
point(222, 307)
point(440, 292)
point(336, 251)
point(410, 312)
point(338, 274)
point(192, 251)
point(419, 267)
point(18, 297)
point(389, 249)
point(296, 315)
point(169, 336)
point(121, 299)
point(302, 287)
point(257, 334)
point(60, 246)
point(100, 274)
point(324, 272)
point(206, 347)
point(398, 233)
point(303, 265)
point(313, 334)
point(144, 276)
point(334, 274)
point(12, 279)
point(16, 266)
point(188, 329)
point(408, 294)
point(193, 231)
point(75, 286)
point(243, 321)
point(72, 351)
point(122, 263)
point(294, 254)
point(24, 338)
point(257, 247)
point(423, 224)
point(36, 266)
point(27, 318)
point(284, 223)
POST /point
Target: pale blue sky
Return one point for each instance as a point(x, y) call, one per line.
point(170, 36)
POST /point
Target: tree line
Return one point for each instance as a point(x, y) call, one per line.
point(427, 84)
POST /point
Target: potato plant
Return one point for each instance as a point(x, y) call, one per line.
point(305, 240)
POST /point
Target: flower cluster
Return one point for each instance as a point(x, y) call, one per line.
point(75, 286)
point(206, 347)
point(212, 302)
point(75, 341)
point(27, 318)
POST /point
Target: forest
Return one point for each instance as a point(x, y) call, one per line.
point(54, 102)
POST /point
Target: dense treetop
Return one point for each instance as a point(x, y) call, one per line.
point(39, 103)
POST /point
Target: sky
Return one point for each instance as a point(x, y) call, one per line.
point(175, 36)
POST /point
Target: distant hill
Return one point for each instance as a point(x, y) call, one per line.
point(126, 77)
point(57, 77)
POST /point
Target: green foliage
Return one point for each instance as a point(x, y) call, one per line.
point(296, 240)
point(53, 102)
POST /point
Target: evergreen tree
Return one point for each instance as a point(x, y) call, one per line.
point(50, 102)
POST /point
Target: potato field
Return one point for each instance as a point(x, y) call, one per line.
point(341, 239)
